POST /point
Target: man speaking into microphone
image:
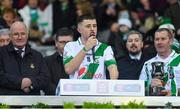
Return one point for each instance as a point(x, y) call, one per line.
point(87, 58)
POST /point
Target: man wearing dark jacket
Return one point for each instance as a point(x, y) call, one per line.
point(22, 69)
point(131, 65)
point(55, 61)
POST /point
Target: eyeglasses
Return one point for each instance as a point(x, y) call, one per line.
point(22, 34)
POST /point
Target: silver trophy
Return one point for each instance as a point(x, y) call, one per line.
point(157, 73)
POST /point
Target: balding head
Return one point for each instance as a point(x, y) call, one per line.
point(16, 24)
point(19, 34)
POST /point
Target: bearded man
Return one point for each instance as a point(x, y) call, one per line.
point(131, 65)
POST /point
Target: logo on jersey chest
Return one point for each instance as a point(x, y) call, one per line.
point(97, 59)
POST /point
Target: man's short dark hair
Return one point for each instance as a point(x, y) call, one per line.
point(85, 17)
point(135, 32)
point(65, 31)
point(167, 30)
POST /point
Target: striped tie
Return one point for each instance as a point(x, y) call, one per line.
point(19, 52)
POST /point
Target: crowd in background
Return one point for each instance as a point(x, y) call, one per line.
point(115, 20)
point(45, 17)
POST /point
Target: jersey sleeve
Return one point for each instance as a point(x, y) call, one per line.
point(109, 57)
point(67, 54)
point(143, 75)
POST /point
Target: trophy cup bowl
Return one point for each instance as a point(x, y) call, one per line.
point(157, 73)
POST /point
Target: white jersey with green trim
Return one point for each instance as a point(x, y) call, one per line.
point(175, 45)
point(90, 68)
point(173, 57)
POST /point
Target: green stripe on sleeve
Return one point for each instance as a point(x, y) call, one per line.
point(100, 50)
point(67, 59)
point(175, 61)
point(110, 62)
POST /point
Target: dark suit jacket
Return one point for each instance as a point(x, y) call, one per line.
point(56, 69)
point(130, 69)
point(13, 69)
